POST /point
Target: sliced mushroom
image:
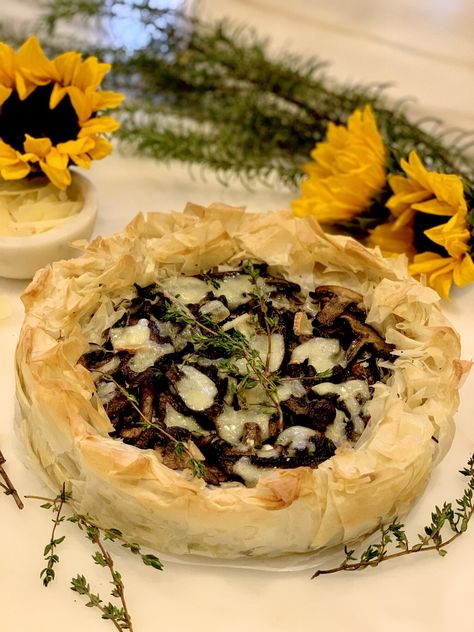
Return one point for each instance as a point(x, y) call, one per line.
point(321, 414)
point(335, 300)
point(252, 435)
point(365, 335)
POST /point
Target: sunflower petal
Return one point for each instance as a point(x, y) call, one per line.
point(56, 168)
point(348, 170)
point(15, 171)
point(4, 94)
point(24, 87)
point(464, 272)
point(57, 95)
point(105, 100)
point(79, 146)
point(102, 148)
point(8, 155)
point(81, 104)
point(99, 125)
point(67, 65)
point(34, 63)
point(435, 207)
point(91, 73)
point(38, 146)
point(7, 65)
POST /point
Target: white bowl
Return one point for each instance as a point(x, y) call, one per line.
point(21, 257)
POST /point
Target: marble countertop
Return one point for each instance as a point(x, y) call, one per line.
point(425, 50)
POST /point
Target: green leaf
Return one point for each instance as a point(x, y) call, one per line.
point(152, 560)
point(99, 559)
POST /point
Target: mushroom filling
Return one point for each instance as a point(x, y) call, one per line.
point(240, 371)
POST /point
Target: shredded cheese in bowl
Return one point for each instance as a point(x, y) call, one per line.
point(32, 207)
point(38, 223)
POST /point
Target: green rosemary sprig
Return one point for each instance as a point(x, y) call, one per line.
point(118, 615)
point(455, 520)
point(212, 95)
point(7, 485)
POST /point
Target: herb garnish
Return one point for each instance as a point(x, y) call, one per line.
point(208, 335)
point(456, 519)
point(118, 615)
point(197, 466)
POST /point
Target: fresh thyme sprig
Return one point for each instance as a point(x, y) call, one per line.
point(48, 573)
point(455, 520)
point(232, 344)
point(119, 615)
point(7, 485)
point(197, 466)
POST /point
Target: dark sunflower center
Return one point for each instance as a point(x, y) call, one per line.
point(425, 221)
point(34, 117)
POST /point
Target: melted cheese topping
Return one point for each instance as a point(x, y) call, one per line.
point(175, 419)
point(297, 438)
point(109, 367)
point(188, 289)
point(236, 289)
point(260, 344)
point(230, 424)
point(215, 310)
point(248, 472)
point(147, 355)
point(106, 391)
point(130, 338)
point(290, 388)
point(336, 432)
point(354, 393)
point(195, 389)
point(322, 353)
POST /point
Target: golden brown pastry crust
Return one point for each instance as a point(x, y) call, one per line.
point(69, 304)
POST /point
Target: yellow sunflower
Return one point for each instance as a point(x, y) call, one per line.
point(393, 240)
point(49, 112)
point(349, 169)
point(440, 271)
point(435, 194)
point(424, 191)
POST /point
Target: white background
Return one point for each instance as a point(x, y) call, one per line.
point(426, 49)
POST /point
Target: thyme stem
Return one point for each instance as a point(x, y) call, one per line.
point(119, 590)
point(8, 485)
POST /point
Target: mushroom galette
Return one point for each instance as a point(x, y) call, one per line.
point(240, 369)
point(227, 384)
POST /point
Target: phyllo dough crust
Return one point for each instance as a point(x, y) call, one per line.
point(70, 304)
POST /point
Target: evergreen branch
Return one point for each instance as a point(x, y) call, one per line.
point(212, 95)
point(456, 519)
point(7, 485)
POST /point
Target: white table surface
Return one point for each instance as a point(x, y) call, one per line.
point(426, 48)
